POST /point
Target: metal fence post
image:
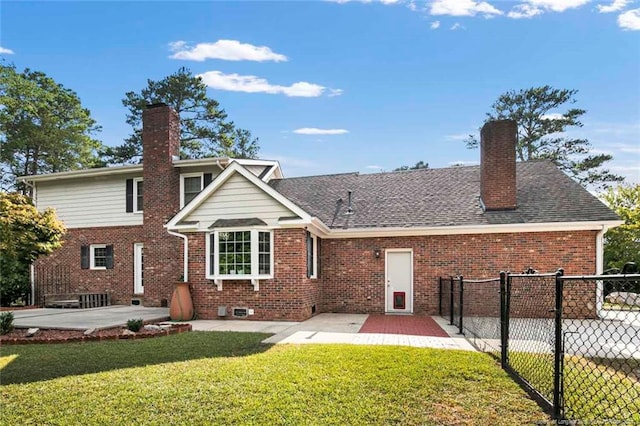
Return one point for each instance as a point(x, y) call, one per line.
point(559, 351)
point(461, 305)
point(451, 301)
point(504, 336)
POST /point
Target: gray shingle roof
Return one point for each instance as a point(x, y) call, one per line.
point(440, 197)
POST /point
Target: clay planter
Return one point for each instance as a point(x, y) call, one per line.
point(181, 308)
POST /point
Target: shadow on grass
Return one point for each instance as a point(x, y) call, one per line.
point(33, 363)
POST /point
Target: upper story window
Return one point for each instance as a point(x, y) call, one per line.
point(137, 195)
point(134, 192)
point(240, 254)
point(191, 185)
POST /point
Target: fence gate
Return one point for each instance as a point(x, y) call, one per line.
point(50, 280)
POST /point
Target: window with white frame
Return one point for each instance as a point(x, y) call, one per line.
point(245, 253)
point(312, 255)
point(191, 185)
point(98, 253)
point(137, 195)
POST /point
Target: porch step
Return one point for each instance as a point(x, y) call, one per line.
point(71, 303)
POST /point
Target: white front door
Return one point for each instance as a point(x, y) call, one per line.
point(399, 275)
point(138, 268)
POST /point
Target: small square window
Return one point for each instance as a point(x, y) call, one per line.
point(98, 256)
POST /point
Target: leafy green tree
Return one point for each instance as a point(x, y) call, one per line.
point(622, 243)
point(419, 165)
point(25, 235)
point(541, 132)
point(43, 128)
point(204, 128)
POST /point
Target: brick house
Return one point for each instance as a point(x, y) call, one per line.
point(253, 243)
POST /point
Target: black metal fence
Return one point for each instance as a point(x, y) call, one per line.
point(50, 280)
point(573, 341)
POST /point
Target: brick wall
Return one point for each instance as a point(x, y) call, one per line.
point(353, 278)
point(163, 265)
point(290, 295)
point(117, 281)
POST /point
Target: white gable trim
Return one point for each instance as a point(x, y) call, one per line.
point(235, 167)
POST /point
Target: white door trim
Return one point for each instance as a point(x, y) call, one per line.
point(388, 308)
point(138, 264)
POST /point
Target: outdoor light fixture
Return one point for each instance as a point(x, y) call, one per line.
point(376, 253)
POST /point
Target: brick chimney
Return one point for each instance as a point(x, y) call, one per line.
point(162, 252)
point(498, 164)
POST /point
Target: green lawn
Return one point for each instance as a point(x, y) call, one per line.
point(229, 378)
point(595, 389)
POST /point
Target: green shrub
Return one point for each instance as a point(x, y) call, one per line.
point(14, 281)
point(135, 324)
point(6, 322)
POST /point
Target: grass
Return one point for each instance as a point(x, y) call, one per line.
point(229, 378)
point(595, 389)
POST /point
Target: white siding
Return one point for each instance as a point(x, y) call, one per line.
point(88, 202)
point(238, 198)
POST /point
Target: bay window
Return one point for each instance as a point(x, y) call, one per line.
point(240, 254)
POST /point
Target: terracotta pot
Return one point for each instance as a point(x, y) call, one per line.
point(181, 308)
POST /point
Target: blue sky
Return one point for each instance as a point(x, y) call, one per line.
point(349, 85)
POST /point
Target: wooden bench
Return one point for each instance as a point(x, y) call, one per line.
point(77, 300)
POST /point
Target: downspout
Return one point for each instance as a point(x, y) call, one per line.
point(185, 273)
point(600, 268)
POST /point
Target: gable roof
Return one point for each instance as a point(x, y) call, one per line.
point(232, 169)
point(440, 198)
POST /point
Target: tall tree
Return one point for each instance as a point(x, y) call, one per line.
point(541, 130)
point(419, 165)
point(204, 128)
point(622, 243)
point(25, 234)
point(43, 127)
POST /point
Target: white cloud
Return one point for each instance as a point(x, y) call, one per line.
point(5, 51)
point(435, 25)
point(463, 163)
point(556, 5)
point(375, 167)
point(252, 84)
point(335, 92)
point(457, 26)
point(615, 6)
point(524, 11)
point(552, 116)
point(630, 20)
point(316, 131)
point(228, 50)
point(459, 136)
point(463, 8)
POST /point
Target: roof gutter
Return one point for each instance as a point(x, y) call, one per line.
point(471, 229)
point(185, 273)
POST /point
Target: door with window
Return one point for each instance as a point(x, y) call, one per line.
point(138, 268)
point(399, 278)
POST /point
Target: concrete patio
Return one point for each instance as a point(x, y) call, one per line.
point(322, 328)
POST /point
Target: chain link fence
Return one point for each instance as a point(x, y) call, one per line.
point(572, 341)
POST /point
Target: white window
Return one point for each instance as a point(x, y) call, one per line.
point(190, 186)
point(240, 254)
point(312, 255)
point(137, 195)
point(98, 256)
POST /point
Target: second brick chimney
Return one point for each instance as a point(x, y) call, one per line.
point(498, 165)
point(162, 252)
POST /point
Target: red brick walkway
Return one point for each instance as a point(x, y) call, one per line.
point(402, 324)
